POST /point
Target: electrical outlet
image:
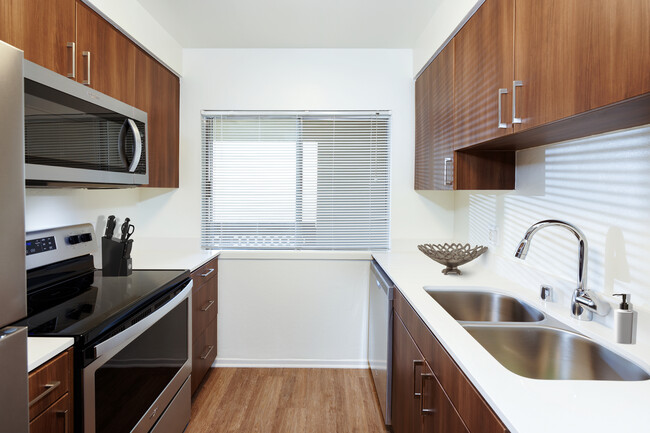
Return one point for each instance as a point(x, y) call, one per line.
point(493, 236)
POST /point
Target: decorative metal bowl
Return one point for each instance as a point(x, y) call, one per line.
point(452, 255)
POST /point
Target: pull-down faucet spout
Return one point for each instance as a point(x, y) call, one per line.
point(583, 301)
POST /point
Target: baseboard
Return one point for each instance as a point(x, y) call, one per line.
point(290, 363)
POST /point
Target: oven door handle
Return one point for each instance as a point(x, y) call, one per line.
point(131, 333)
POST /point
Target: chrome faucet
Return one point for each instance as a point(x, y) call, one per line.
point(583, 302)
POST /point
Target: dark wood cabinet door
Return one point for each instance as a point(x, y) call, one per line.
point(438, 414)
point(408, 363)
point(105, 57)
point(157, 93)
point(442, 117)
point(574, 55)
point(434, 128)
point(43, 29)
point(423, 139)
point(483, 74)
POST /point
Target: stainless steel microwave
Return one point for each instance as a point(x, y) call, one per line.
point(78, 137)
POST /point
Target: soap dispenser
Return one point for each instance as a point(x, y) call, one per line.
point(625, 321)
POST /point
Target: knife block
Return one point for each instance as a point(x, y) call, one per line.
point(116, 257)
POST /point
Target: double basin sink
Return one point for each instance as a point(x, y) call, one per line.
point(531, 344)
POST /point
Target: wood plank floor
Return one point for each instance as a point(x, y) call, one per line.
point(286, 400)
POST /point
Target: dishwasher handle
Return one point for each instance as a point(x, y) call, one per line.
point(382, 279)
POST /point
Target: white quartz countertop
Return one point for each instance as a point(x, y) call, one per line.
point(42, 349)
point(170, 253)
point(525, 405)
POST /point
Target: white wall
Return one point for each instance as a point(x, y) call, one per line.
point(602, 185)
point(133, 19)
point(443, 22)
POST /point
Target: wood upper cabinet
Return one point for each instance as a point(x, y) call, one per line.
point(105, 57)
point(573, 56)
point(434, 116)
point(157, 91)
point(483, 75)
point(44, 30)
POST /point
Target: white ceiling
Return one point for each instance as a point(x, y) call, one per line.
point(293, 23)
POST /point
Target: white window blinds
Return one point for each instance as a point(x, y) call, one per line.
point(295, 180)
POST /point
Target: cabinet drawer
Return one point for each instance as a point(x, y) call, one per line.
point(204, 351)
point(48, 383)
point(468, 402)
point(56, 419)
point(205, 273)
point(204, 307)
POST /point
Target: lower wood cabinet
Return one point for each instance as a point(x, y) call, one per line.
point(204, 320)
point(430, 392)
point(50, 396)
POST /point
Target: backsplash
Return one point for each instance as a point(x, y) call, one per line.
point(601, 184)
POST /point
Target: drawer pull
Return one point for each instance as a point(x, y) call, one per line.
point(65, 419)
point(207, 306)
point(416, 394)
point(208, 273)
point(424, 411)
point(207, 352)
point(49, 387)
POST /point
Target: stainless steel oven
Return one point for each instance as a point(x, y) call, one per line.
point(137, 373)
point(132, 342)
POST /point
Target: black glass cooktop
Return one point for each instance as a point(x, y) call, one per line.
point(90, 305)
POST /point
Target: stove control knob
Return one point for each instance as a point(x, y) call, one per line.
point(72, 240)
point(86, 237)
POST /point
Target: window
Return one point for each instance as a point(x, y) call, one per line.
point(295, 180)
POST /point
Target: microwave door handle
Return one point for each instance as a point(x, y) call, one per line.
point(121, 144)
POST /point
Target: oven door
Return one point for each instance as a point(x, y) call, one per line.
point(138, 372)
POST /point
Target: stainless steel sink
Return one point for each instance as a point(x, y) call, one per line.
point(473, 306)
point(541, 352)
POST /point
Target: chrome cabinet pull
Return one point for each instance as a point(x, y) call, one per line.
point(207, 273)
point(445, 173)
point(207, 306)
point(501, 125)
point(207, 352)
point(65, 419)
point(424, 411)
point(86, 54)
point(416, 394)
point(73, 74)
point(515, 84)
point(49, 387)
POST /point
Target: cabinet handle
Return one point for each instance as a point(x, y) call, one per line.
point(416, 362)
point(207, 306)
point(73, 74)
point(515, 84)
point(207, 273)
point(445, 173)
point(49, 387)
point(424, 411)
point(86, 54)
point(207, 352)
point(65, 419)
point(501, 125)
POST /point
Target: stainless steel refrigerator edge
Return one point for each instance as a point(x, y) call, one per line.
point(13, 302)
point(380, 337)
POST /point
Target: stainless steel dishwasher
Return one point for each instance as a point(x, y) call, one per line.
point(380, 336)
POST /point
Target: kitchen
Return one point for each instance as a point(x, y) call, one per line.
point(598, 186)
